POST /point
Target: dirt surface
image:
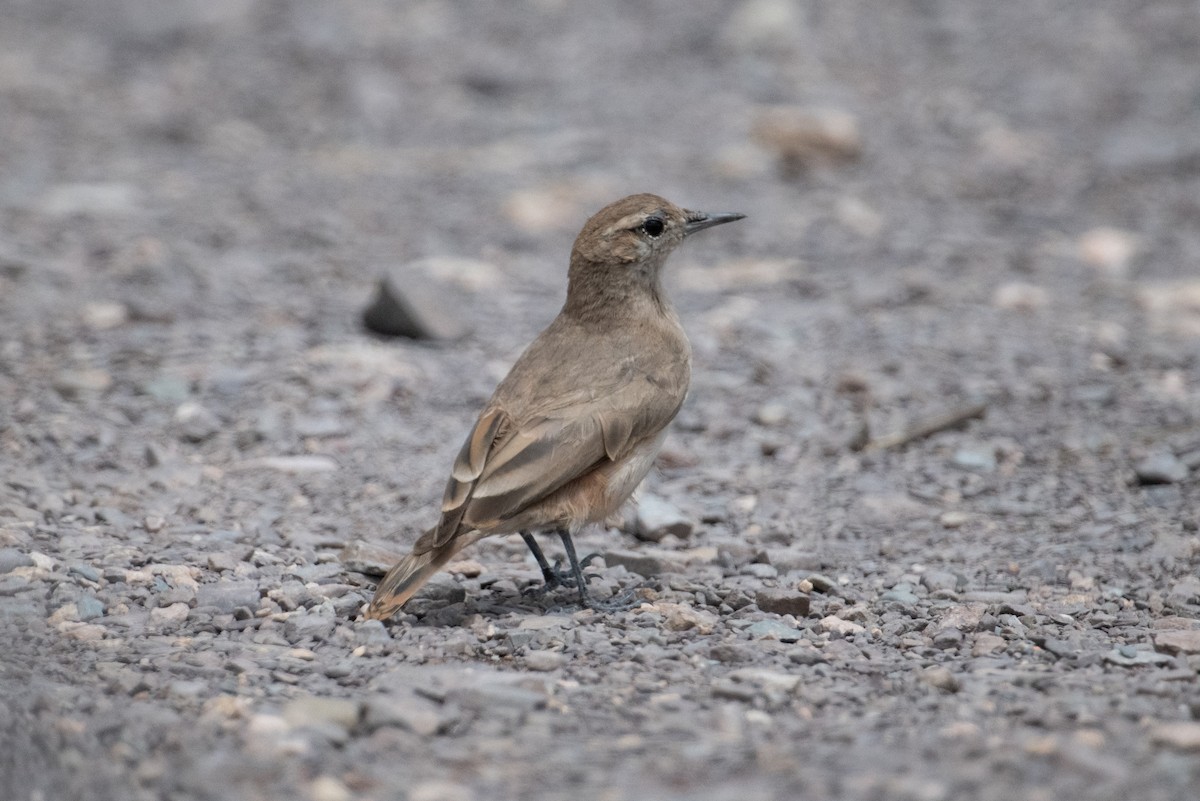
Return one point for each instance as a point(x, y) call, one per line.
point(197, 199)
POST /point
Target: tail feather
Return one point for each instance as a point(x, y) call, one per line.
point(405, 578)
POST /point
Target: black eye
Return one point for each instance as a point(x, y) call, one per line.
point(653, 227)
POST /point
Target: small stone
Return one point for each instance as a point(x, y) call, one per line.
point(227, 596)
point(783, 602)
point(1182, 641)
point(677, 617)
point(467, 568)
point(169, 616)
point(308, 625)
point(775, 630)
point(544, 661)
point(370, 560)
point(940, 678)
point(771, 414)
point(1160, 468)
point(103, 315)
point(986, 644)
point(70, 383)
point(964, 617)
point(947, 639)
point(315, 711)
point(806, 653)
point(1128, 656)
point(835, 625)
point(327, 788)
point(936, 580)
point(90, 199)
point(440, 790)
point(1019, 296)
point(730, 653)
point(656, 518)
point(195, 423)
point(1109, 250)
point(635, 562)
point(89, 607)
point(409, 303)
point(406, 711)
point(11, 558)
point(372, 632)
point(980, 458)
point(802, 138)
point(1183, 735)
point(953, 519)
point(443, 588)
point(293, 465)
point(223, 562)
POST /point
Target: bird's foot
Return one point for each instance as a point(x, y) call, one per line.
point(555, 577)
point(620, 602)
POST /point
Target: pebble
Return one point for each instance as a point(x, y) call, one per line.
point(440, 790)
point(1183, 735)
point(327, 788)
point(986, 644)
point(947, 638)
point(371, 632)
point(783, 602)
point(643, 564)
point(293, 465)
point(404, 710)
point(70, 383)
point(774, 630)
point(980, 458)
point(656, 518)
point(11, 558)
point(1109, 250)
point(312, 624)
point(678, 617)
point(314, 711)
point(941, 678)
point(104, 315)
point(195, 423)
point(1183, 641)
point(771, 414)
point(1020, 297)
point(169, 616)
point(409, 303)
point(935, 580)
point(1160, 468)
point(89, 607)
point(544, 661)
point(1128, 656)
point(370, 560)
point(836, 625)
point(227, 596)
point(802, 137)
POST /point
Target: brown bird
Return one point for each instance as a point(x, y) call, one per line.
point(575, 425)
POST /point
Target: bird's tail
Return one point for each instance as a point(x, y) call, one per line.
point(406, 577)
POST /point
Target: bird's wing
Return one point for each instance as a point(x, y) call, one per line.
point(504, 467)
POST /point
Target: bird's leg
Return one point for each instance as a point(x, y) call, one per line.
point(553, 576)
point(615, 604)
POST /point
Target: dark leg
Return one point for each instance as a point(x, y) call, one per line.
point(615, 604)
point(552, 576)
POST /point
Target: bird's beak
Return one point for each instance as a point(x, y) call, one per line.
point(699, 220)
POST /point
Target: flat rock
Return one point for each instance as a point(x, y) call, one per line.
point(409, 303)
point(1182, 641)
point(370, 560)
point(783, 602)
point(404, 710)
point(656, 518)
point(1160, 468)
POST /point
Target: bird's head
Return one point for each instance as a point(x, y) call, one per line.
point(626, 243)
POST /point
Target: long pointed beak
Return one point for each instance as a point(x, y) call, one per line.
point(699, 220)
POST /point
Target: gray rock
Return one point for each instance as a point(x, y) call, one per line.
point(89, 607)
point(315, 711)
point(1160, 468)
point(783, 602)
point(228, 596)
point(195, 423)
point(947, 638)
point(635, 562)
point(408, 303)
point(544, 661)
point(370, 560)
point(938, 580)
point(11, 558)
point(405, 710)
point(492, 695)
point(311, 625)
point(372, 632)
point(941, 678)
point(731, 653)
point(774, 630)
point(981, 458)
point(656, 518)
point(1129, 656)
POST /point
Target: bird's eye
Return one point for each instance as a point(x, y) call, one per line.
point(653, 227)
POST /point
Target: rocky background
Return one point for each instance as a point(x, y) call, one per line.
point(926, 528)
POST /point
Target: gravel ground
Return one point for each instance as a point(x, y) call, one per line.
point(952, 206)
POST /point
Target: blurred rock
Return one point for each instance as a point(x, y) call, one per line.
point(1160, 468)
point(371, 560)
point(70, 383)
point(1183, 735)
point(1109, 250)
point(783, 602)
point(195, 423)
point(103, 315)
point(656, 518)
point(1020, 296)
point(808, 137)
point(95, 200)
point(408, 303)
point(1169, 642)
point(764, 27)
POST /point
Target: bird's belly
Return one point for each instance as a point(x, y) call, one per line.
point(621, 478)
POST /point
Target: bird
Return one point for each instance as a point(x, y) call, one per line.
point(576, 424)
